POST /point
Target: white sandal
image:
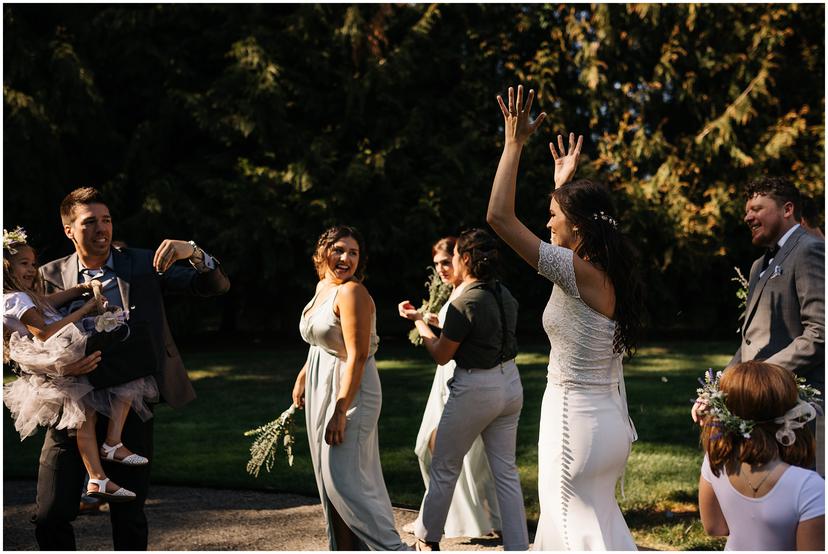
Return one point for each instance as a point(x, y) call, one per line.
point(131, 460)
point(120, 495)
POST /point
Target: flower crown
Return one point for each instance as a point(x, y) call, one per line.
point(608, 218)
point(795, 418)
point(14, 238)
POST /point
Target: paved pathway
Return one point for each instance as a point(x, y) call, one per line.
point(185, 518)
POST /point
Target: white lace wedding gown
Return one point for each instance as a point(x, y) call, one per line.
point(474, 511)
point(585, 429)
point(348, 475)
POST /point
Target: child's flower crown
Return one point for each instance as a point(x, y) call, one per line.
point(14, 238)
point(804, 411)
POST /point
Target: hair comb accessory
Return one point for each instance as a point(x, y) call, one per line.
point(608, 218)
point(795, 418)
point(14, 238)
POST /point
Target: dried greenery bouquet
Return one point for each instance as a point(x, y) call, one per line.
point(438, 294)
point(742, 293)
point(280, 431)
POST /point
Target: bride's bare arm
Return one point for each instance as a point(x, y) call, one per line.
point(501, 213)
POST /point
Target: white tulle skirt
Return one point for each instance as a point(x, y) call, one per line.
point(43, 396)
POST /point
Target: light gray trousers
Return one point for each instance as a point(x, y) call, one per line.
point(486, 403)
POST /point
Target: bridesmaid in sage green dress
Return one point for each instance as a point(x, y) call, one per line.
point(340, 390)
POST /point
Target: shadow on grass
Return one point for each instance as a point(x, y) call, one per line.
point(203, 445)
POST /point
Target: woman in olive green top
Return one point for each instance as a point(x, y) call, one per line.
point(486, 395)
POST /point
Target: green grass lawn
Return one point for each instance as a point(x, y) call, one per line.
point(203, 444)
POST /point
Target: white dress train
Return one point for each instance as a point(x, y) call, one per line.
point(585, 430)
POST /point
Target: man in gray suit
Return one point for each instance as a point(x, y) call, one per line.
point(135, 280)
point(785, 310)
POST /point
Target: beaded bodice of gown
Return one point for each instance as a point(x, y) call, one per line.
point(580, 339)
point(322, 328)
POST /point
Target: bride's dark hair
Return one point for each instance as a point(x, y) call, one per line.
point(588, 206)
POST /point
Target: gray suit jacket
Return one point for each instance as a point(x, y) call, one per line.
point(143, 288)
point(785, 312)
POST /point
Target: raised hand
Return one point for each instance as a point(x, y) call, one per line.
point(566, 162)
point(407, 311)
point(169, 252)
point(517, 122)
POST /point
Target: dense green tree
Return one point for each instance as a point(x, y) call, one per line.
point(251, 128)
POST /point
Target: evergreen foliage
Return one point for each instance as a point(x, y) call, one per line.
point(251, 128)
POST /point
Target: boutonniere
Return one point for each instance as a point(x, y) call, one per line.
point(777, 271)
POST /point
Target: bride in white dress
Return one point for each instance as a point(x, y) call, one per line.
point(593, 317)
point(474, 510)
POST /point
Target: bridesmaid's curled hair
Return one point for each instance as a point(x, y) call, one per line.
point(483, 254)
point(588, 206)
point(326, 242)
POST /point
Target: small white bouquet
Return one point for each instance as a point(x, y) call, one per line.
point(268, 438)
point(110, 320)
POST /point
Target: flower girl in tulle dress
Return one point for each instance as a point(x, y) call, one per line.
point(43, 343)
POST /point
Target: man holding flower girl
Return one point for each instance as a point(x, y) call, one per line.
point(135, 281)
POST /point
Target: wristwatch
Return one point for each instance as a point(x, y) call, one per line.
point(197, 256)
point(200, 260)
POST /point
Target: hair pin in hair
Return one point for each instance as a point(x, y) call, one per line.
point(608, 218)
point(14, 238)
